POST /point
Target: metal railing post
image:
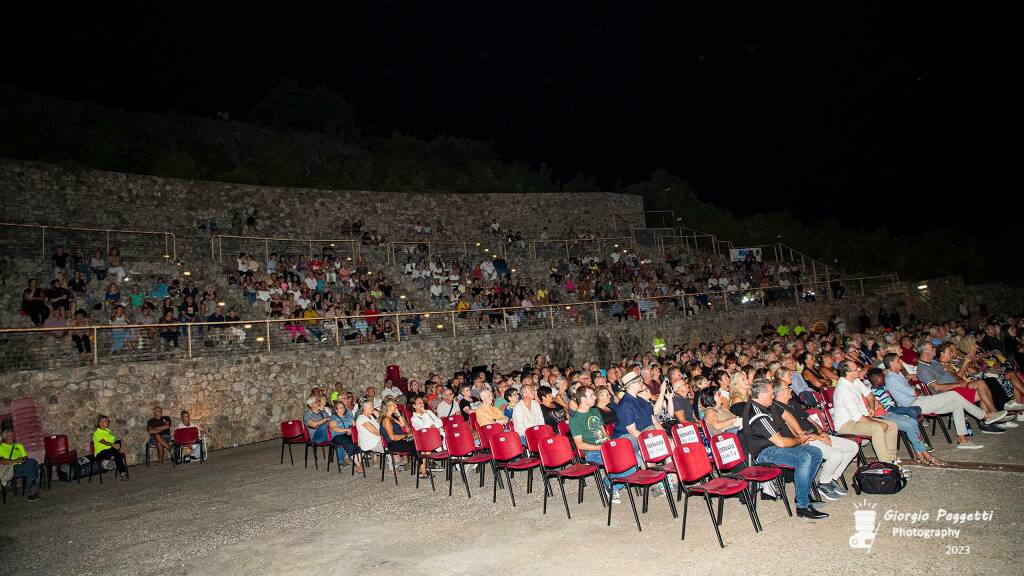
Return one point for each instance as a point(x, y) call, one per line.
point(595, 314)
point(267, 324)
point(504, 320)
point(551, 315)
point(95, 346)
point(189, 329)
point(108, 242)
point(266, 249)
point(862, 287)
point(398, 329)
point(43, 246)
point(337, 332)
point(453, 323)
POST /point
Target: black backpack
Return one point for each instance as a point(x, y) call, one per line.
point(879, 478)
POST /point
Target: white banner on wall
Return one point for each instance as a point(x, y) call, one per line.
point(740, 254)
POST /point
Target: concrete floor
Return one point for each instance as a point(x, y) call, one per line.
point(242, 513)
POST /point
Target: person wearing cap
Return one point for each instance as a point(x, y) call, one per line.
point(13, 454)
point(633, 414)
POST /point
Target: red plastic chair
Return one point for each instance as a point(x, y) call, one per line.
point(694, 472)
point(688, 433)
point(461, 451)
point(608, 429)
point(826, 412)
point(486, 432)
point(474, 424)
point(58, 452)
point(506, 449)
point(729, 454)
point(556, 457)
point(364, 457)
point(389, 454)
point(563, 428)
point(181, 437)
point(293, 432)
point(656, 449)
point(619, 457)
point(453, 418)
point(427, 441)
point(534, 434)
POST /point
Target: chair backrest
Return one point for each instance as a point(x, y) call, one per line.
point(427, 439)
point(686, 432)
point(56, 445)
point(828, 393)
point(355, 435)
point(727, 451)
point(405, 412)
point(692, 462)
point(474, 424)
point(819, 397)
point(453, 418)
point(816, 417)
point(505, 445)
point(618, 455)
point(534, 434)
point(563, 428)
point(460, 443)
point(487, 432)
point(655, 446)
point(609, 429)
point(293, 430)
point(455, 426)
point(185, 435)
point(555, 451)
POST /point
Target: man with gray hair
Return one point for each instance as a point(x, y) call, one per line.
point(316, 419)
point(766, 445)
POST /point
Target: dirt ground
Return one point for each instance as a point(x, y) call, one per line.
point(242, 513)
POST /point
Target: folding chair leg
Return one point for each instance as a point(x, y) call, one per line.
point(906, 443)
point(330, 458)
point(781, 484)
point(316, 461)
point(430, 473)
point(579, 491)
point(282, 451)
point(465, 479)
point(632, 503)
point(750, 511)
point(945, 431)
point(547, 490)
point(721, 510)
point(610, 491)
point(394, 471)
point(305, 462)
point(290, 458)
point(511, 493)
point(714, 522)
point(565, 501)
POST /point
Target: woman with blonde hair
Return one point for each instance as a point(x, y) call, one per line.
point(396, 429)
point(739, 388)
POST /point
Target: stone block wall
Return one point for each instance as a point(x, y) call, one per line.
point(55, 195)
point(239, 400)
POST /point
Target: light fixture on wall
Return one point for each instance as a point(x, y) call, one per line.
point(922, 286)
point(247, 326)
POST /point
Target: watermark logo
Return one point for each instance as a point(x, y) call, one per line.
point(864, 525)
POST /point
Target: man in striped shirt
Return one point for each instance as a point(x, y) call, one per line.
point(767, 446)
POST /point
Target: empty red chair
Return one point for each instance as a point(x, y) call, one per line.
point(293, 432)
point(619, 457)
point(452, 418)
point(687, 433)
point(694, 471)
point(506, 449)
point(461, 451)
point(556, 459)
point(486, 432)
point(58, 452)
point(534, 434)
point(186, 437)
point(655, 449)
point(427, 441)
point(729, 454)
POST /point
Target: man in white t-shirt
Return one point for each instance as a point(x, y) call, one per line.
point(394, 391)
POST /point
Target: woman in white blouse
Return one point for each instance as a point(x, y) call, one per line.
point(369, 429)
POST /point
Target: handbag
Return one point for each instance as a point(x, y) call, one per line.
point(879, 478)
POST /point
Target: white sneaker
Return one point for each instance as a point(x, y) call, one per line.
point(1013, 406)
point(1009, 424)
point(1020, 417)
point(615, 497)
point(969, 446)
point(995, 417)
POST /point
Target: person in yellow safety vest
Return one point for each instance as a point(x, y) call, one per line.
point(659, 345)
point(783, 329)
point(799, 328)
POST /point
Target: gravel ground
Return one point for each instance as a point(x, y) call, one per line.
point(243, 513)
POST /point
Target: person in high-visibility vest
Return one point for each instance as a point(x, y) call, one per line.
point(783, 329)
point(659, 345)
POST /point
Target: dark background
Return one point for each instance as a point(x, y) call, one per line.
point(870, 113)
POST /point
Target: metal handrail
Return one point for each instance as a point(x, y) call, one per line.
point(499, 251)
point(170, 240)
point(532, 245)
point(217, 244)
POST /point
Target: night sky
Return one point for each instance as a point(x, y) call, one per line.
point(841, 110)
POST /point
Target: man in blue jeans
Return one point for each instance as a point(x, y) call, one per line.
point(767, 446)
point(587, 429)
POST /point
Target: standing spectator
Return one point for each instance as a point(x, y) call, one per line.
point(59, 260)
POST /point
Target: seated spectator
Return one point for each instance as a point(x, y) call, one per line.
point(81, 338)
point(836, 452)
point(604, 405)
point(511, 397)
point(106, 446)
point(392, 391)
point(33, 303)
point(717, 416)
point(766, 445)
point(588, 433)
point(98, 265)
point(553, 413)
point(528, 411)
point(159, 429)
point(341, 423)
point(14, 455)
point(941, 403)
point(851, 414)
point(397, 429)
point(369, 429)
point(194, 451)
point(448, 406)
point(316, 418)
point(486, 412)
point(58, 323)
point(905, 418)
point(931, 373)
point(115, 265)
point(739, 389)
point(634, 413)
point(467, 405)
